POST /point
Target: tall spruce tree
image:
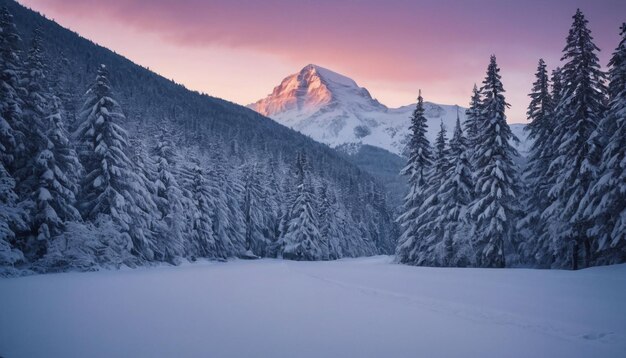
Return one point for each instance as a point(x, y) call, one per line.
point(275, 199)
point(442, 152)
point(143, 207)
point(234, 192)
point(51, 173)
point(473, 116)
point(12, 129)
point(455, 194)
point(34, 111)
point(57, 169)
point(417, 170)
point(535, 246)
point(577, 158)
point(329, 230)
point(494, 209)
point(227, 216)
point(202, 241)
point(168, 198)
point(255, 211)
point(12, 220)
point(557, 87)
point(302, 240)
point(27, 164)
point(226, 184)
point(381, 225)
point(430, 225)
point(605, 201)
point(110, 185)
point(13, 217)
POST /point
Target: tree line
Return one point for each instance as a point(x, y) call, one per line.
point(471, 204)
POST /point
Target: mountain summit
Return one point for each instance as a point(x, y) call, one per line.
point(333, 109)
point(312, 89)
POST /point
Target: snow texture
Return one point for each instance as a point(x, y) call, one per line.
point(363, 307)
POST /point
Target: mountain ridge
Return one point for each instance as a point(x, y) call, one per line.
point(332, 108)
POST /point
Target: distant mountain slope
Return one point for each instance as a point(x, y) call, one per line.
point(382, 164)
point(333, 109)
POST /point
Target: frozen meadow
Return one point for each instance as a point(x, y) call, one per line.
point(367, 307)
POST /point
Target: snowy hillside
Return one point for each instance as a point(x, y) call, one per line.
point(349, 308)
point(333, 109)
point(120, 166)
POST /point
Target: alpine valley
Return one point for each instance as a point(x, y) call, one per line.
point(318, 221)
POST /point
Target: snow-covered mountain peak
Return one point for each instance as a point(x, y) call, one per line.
point(311, 89)
point(328, 75)
point(333, 109)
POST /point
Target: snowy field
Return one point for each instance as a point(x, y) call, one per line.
point(350, 308)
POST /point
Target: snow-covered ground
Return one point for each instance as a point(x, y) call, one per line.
point(350, 308)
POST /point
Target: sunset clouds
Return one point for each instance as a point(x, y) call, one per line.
point(240, 49)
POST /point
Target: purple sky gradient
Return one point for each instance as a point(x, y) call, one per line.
point(240, 49)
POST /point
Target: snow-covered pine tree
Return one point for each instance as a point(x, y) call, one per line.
point(143, 192)
point(168, 198)
point(473, 117)
point(12, 129)
point(430, 225)
point(617, 65)
point(381, 226)
point(455, 194)
point(290, 182)
point(255, 211)
point(327, 223)
point(57, 169)
point(417, 170)
point(289, 187)
point(109, 187)
point(352, 243)
point(540, 111)
point(12, 218)
point(7, 142)
point(616, 83)
point(553, 223)
point(575, 164)
point(442, 152)
point(202, 241)
point(34, 109)
point(345, 222)
point(302, 240)
point(221, 217)
point(535, 247)
point(495, 208)
point(216, 185)
point(34, 240)
point(229, 196)
point(50, 171)
point(557, 87)
point(275, 199)
point(605, 201)
point(61, 85)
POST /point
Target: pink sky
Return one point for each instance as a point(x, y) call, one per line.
point(240, 49)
